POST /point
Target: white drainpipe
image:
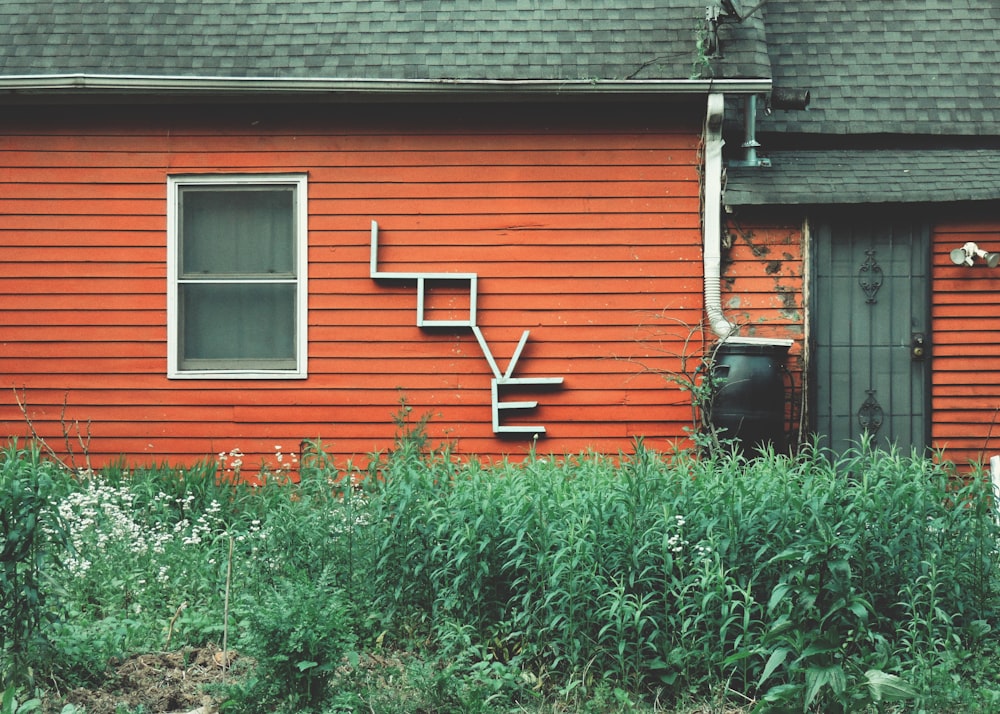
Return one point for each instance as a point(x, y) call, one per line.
point(711, 219)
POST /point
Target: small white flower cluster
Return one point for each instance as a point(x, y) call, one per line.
point(283, 465)
point(207, 523)
point(97, 517)
point(232, 462)
point(676, 543)
point(100, 518)
point(347, 524)
point(255, 534)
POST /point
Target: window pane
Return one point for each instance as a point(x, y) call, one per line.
point(237, 326)
point(237, 231)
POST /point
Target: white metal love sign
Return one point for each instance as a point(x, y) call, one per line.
point(502, 381)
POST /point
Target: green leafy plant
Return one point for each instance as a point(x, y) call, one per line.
point(10, 705)
point(587, 582)
point(31, 540)
point(672, 575)
point(297, 634)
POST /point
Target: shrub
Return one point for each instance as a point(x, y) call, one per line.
point(297, 634)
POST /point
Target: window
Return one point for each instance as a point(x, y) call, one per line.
point(236, 270)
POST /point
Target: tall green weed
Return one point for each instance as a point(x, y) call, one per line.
point(813, 583)
point(806, 582)
point(32, 539)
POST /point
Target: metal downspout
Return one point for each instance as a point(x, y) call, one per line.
point(750, 143)
point(711, 218)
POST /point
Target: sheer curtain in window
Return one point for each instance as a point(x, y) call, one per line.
point(236, 278)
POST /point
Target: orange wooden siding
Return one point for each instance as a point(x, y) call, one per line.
point(583, 229)
point(965, 308)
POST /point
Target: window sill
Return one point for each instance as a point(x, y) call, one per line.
point(237, 374)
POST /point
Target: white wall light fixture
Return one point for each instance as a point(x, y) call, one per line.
point(967, 254)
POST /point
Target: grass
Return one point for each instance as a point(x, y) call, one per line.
point(639, 583)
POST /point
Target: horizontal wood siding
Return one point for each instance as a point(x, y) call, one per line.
point(762, 288)
point(583, 229)
point(966, 340)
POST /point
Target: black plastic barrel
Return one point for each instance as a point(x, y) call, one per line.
point(748, 393)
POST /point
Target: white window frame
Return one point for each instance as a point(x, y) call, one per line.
point(174, 185)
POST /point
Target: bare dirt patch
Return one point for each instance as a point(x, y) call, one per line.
point(158, 682)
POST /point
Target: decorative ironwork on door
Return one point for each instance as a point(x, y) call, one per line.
point(870, 277)
point(870, 415)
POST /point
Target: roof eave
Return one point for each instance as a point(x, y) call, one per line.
point(83, 83)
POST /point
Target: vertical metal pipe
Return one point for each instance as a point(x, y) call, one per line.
point(750, 142)
point(711, 219)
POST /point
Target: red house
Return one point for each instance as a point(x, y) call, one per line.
point(238, 226)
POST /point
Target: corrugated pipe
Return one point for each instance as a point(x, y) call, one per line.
point(711, 218)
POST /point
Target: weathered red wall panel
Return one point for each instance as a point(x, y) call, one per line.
point(763, 290)
point(965, 309)
point(584, 231)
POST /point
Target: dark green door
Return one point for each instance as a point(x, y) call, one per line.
point(870, 330)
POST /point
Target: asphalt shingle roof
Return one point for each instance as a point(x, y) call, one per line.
point(371, 39)
point(928, 67)
point(869, 176)
point(892, 84)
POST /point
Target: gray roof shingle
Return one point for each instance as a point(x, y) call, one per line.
point(929, 67)
point(371, 39)
point(896, 89)
point(853, 176)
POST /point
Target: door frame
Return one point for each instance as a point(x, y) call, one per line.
point(867, 214)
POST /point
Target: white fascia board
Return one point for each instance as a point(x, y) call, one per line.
point(68, 83)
